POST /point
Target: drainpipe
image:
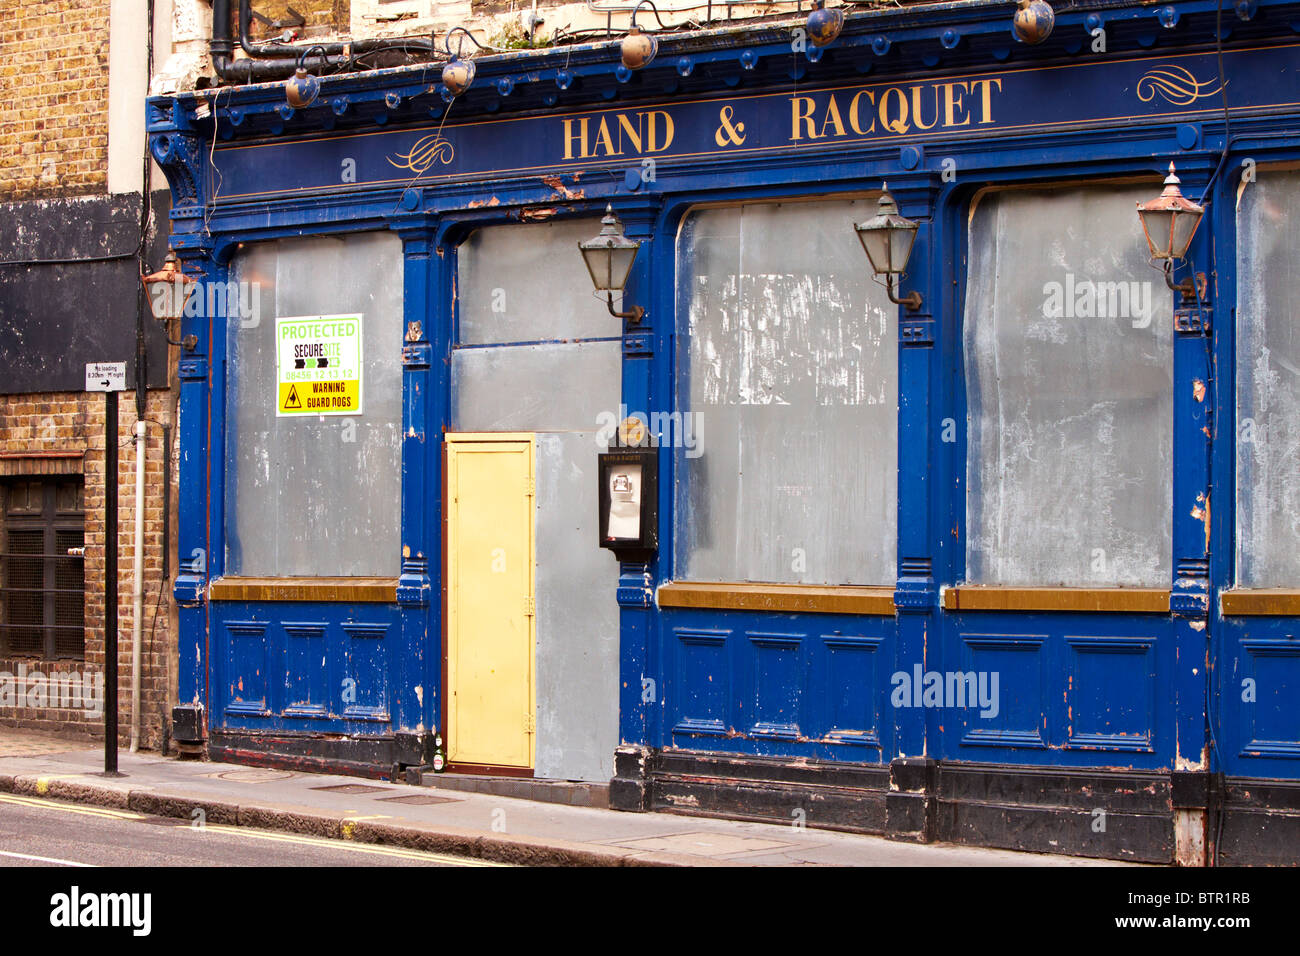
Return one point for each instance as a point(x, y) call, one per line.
point(137, 588)
point(277, 61)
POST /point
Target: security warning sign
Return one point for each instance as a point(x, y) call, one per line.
point(318, 363)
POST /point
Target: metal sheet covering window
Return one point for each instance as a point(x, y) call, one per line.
point(1069, 371)
point(1268, 381)
point(315, 495)
point(788, 378)
point(42, 581)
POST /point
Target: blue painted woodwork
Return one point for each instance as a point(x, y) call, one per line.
point(305, 666)
point(1143, 691)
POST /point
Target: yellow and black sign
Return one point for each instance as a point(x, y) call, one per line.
point(318, 365)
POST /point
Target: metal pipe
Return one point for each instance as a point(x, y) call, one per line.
point(137, 587)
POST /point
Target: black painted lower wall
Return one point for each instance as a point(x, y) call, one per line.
point(1104, 814)
point(386, 757)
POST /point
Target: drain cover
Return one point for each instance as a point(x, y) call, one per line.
point(352, 788)
point(254, 775)
point(420, 799)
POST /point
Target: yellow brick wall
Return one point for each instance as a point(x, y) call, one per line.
point(32, 426)
point(332, 15)
point(53, 97)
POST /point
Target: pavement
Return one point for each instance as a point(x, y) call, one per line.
point(481, 826)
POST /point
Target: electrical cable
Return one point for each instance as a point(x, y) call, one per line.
point(71, 261)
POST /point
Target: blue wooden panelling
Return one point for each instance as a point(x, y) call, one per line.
point(1257, 720)
point(814, 685)
point(1073, 689)
point(306, 671)
point(304, 667)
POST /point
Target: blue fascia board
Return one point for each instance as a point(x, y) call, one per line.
point(978, 34)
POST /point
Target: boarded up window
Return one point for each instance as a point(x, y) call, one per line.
point(1069, 363)
point(788, 370)
point(314, 495)
point(1268, 381)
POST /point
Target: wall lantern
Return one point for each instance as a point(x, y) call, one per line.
point(609, 259)
point(1169, 222)
point(887, 239)
point(637, 48)
point(167, 290)
point(302, 88)
point(824, 25)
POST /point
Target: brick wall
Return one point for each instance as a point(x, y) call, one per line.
point(53, 97)
point(32, 429)
point(331, 15)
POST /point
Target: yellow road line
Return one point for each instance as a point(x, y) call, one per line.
point(349, 847)
point(46, 804)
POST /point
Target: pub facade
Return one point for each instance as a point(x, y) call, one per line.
point(798, 426)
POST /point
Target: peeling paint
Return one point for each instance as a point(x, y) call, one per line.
point(561, 190)
point(1198, 390)
point(537, 215)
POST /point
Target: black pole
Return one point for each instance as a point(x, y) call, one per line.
point(110, 582)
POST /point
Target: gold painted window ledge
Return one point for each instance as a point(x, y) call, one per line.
point(357, 590)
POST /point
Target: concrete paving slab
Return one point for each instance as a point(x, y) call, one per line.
point(481, 825)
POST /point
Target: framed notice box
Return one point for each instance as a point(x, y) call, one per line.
point(629, 503)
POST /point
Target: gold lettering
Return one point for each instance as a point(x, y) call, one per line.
point(832, 116)
point(899, 123)
point(581, 138)
point(603, 137)
point(801, 109)
point(633, 134)
point(952, 101)
point(652, 134)
point(986, 96)
point(853, 113)
point(916, 108)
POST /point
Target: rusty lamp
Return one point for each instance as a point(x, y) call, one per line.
point(167, 290)
point(887, 240)
point(638, 48)
point(301, 89)
point(609, 258)
point(1169, 222)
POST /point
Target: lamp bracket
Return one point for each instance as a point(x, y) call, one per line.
point(912, 300)
point(633, 315)
point(1192, 289)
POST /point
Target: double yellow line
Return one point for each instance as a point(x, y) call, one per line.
point(320, 842)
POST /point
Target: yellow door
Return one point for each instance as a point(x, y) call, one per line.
point(490, 616)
